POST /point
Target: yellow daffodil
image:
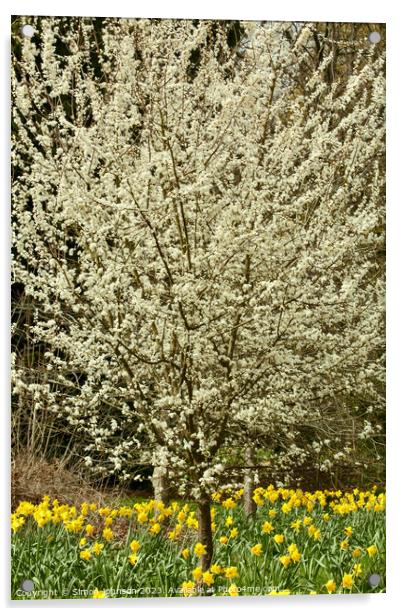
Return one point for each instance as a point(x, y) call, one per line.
point(330, 586)
point(347, 581)
point(142, 517)
point(135, 545)
point(181, 516)
point(73, 526)
point(97, 548)
point(108, 534)
point(231, 572)
point(26, 508)
point(372, 550)
point(280, 592)
point(258, 500)
point(99, 594)
point(155, 528)
point(216, 569)
point(188, 588)
point(285, 560)
point(197, 573)
point(200, 549)
point(294, 553)
point(17, 522)
point(229, 503)
point(192, 522)
point(267, 528)
point(208, 578)
point(256, 550)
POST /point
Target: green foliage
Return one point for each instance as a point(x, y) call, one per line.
point(52, 556)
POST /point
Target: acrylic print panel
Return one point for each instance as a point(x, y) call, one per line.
point(198, 308)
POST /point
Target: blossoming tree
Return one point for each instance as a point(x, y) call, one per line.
point(201, 245)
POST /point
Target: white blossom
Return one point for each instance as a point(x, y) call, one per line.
point(202, 252)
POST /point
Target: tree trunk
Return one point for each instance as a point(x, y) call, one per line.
point(205, 530)
point(160, 484)
point(249, 505)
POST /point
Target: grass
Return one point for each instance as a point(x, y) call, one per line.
point(53, 546)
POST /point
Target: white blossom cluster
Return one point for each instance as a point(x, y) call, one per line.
point(203, 250)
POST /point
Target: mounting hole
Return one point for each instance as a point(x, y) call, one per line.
point(27, 30)
point(374, 37)
point(374, 580)
point(27, 585)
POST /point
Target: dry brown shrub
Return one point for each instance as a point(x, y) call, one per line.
point(32, 477)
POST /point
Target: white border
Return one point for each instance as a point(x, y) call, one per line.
point(291, 10)
point(370, 11)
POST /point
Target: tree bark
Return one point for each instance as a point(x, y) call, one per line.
point(250, 506)
point(205, 530)
point(160, 484)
